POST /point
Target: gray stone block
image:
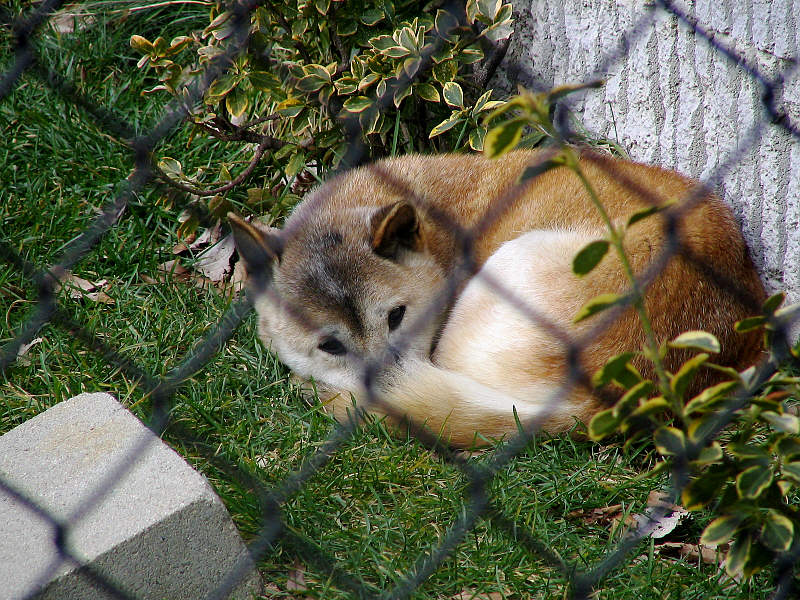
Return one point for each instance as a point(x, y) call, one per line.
point(134, 511)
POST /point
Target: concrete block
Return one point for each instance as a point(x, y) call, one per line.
point(134, 511)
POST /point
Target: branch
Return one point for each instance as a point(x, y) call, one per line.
point(223, 188)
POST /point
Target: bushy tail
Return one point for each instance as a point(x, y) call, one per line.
point(465, 412)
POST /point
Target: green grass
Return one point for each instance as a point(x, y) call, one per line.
point(380, 503)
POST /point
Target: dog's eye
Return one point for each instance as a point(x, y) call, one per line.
point(333, 346)
point(396, 317)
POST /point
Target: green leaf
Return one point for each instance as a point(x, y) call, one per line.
point(697, 340)
point(291, 107)
point(784, 423)
point(670, 441)
point(447, 124)
point(142, 44)
point(317, 71)
point(720, 530)
point(296, 164)
point(261, 80)
point(596, 304)
point(705, 488)
point(611, 371)
point(346, 28)
point(788, 447)
point(171, 167)
point(346, 85)
point(498, 31)
point(589, 257)
point(396, 52)
point(400, 93)
point(602, 424)
point(772, 303)
point(777, 531)
point(445, 71)
point(792, 471)
point(357, 104)
point(504, 137)
point(469, 56)
point(708, 456)
point(700, 430)
point(630, 400)
point(310, 83)
point(371, 17)
point(476, 138)
point(749, 324)
point(368, 80)
point(752, 481)
point(681, 380)
point(237, 102)
point(453, 94)
point(489, 8)
point(709, 396)
point(747, 452)
point(411, 66)
point(738, 555)
point(408, 40)
point(445, 24)
point(427, 92)
point(382, 42)
point(650, 407)
point(220, 87)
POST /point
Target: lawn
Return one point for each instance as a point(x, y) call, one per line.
point(364, 520)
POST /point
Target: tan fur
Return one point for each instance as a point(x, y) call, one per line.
point(462, 362)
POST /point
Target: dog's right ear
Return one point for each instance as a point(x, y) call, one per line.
point(259, 247)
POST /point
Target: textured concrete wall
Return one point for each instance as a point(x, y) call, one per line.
point(672, 100)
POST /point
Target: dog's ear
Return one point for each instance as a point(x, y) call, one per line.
point(395, 227)
point(258, 246)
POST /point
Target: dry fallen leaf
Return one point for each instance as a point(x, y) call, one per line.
point(669, 515)
point(79, 289)
point(23, 350)
point(215, 262)
point(472, 594)
point(296, 581)
point(604, 515)
point(696, 552)
point(70, 19)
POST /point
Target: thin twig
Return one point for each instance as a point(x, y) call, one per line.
point(223, 188)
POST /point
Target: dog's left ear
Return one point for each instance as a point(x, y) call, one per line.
point(394, 228)
point(259, 247)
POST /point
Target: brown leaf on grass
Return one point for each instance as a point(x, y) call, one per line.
point(472, 594)
point(604, 515)
point(81, 289)
point(215, 262)
point(296, 582)
point(695, 552)
point(173, 270)
point(213, 266)
point(661, 516)
point(70, 19)
point(23, 350)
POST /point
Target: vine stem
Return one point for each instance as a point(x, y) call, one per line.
point(651, 345)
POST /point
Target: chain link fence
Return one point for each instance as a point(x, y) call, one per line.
point(480, 504)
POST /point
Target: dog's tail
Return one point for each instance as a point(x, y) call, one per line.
point(464, 412)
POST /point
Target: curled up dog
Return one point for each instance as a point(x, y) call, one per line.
point(436, 289)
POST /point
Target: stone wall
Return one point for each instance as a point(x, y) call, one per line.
point(673, 100)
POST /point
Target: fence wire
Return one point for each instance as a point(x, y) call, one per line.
point(479, 502)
